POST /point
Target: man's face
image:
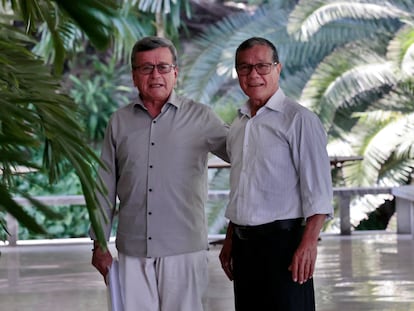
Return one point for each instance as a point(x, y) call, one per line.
point(154, 86)
point(258, 87)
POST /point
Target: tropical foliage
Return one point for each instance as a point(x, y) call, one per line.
point(351, 63)
point(31, 121)
point(37, 117)
point(98, 93)
point(363, 90)
point(63, 66)
point(47, 48)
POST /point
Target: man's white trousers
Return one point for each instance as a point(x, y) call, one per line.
point(173, 283)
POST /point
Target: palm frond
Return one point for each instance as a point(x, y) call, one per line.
point(399, 99)
point(8, 204)
point(405, 148)
point(69, 36)
point(165, 7)
point(128, 28)
point(34, 114)
point(214, 63)
point(345, 74)
point(94, 17)
point(309, 17)
point(401, 50)
point(377, 137)
point(167, 13)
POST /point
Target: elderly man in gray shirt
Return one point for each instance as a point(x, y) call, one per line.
point(156, 151)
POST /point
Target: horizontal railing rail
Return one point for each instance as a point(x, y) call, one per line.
point(343, 195)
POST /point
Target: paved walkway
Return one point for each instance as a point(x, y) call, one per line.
point(359, 273)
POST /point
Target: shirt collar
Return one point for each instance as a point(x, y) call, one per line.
point(274, 103)
point(172, 100)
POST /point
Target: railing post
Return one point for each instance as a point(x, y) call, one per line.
point(404, 205)
point(344, 213)
point(13, 229)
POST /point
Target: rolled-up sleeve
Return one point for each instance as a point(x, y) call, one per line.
point(312, 162)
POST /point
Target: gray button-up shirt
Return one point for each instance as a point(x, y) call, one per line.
point(279, 164)
point(158, 169)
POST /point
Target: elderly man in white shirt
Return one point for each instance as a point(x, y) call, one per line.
point(281, 190)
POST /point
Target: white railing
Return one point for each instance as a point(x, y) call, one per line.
point(404, 197)
point(404, 206)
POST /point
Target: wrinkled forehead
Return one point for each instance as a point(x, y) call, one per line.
point(155, 56)
point(255, 54)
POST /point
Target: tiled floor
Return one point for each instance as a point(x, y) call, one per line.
point(363, 272)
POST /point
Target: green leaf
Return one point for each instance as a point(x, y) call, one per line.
point(9, 205)
point(94, 17)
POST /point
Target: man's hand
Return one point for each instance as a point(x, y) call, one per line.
point(304, 259)
point(303, 262)
point(225, 254)
point(101, 260)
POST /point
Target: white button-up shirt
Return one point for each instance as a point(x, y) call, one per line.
point(280, 168)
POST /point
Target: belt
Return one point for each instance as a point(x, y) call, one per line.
point(261, 231)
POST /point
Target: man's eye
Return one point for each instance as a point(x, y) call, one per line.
point(164, 68)
point(147, 68)
point(261, 66)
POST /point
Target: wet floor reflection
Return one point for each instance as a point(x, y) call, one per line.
point(49, 278)
point(358, 273)
point(365, 273)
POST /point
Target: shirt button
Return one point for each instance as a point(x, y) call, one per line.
point(151, 166)
point(149, 213)
point(149, 238)
point(154, 122)
point(150, 189)
point(152, 144)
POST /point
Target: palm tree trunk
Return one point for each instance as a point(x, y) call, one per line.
point(159, 24)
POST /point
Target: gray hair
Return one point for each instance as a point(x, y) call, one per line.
point(249, 43)
point(152, 43)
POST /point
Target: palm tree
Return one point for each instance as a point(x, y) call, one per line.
point(363, 91)
point(335, 62)
point(350, 62)
point(167, 15)
point(36, 113)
